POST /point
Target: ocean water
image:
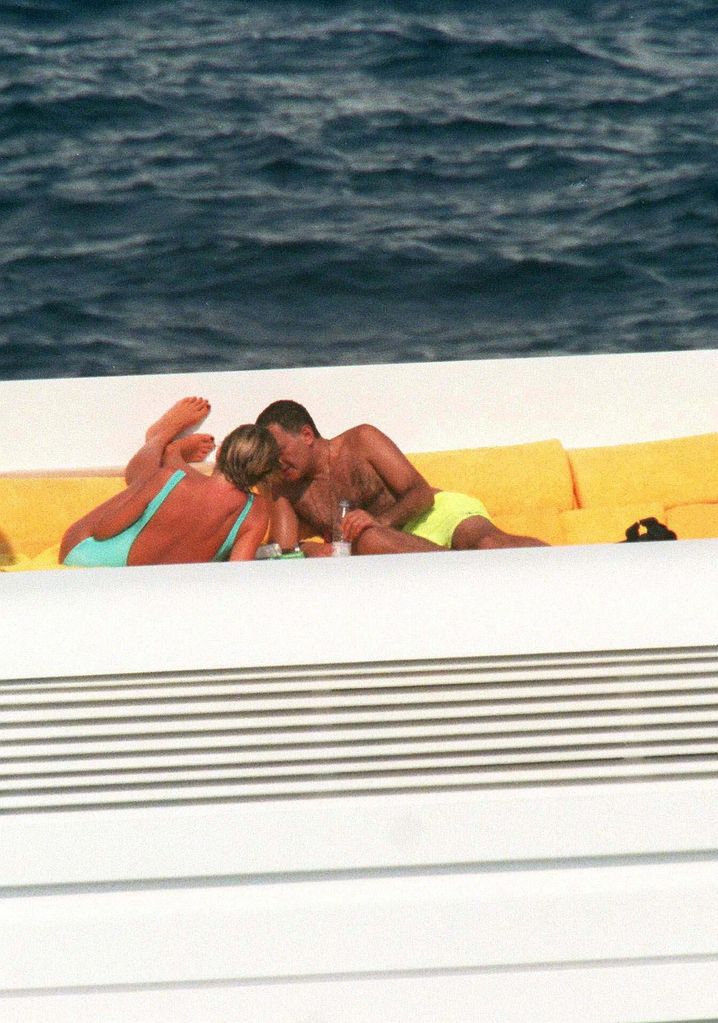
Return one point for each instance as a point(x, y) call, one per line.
point(195, 185)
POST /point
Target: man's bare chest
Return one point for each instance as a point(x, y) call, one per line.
point(318, 502)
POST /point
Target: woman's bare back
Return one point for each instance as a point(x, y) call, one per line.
point(192, 523)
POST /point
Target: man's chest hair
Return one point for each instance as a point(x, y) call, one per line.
point(358, 484)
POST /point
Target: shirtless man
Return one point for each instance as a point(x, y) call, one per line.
point(393, 508)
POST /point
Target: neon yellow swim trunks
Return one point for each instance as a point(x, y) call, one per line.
point(439, 522)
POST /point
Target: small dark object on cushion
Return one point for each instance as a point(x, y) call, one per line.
point(653, 530)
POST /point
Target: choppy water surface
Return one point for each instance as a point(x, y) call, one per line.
point(195, 185)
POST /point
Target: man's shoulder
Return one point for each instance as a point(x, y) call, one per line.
point(363, 435)
point(369, 442)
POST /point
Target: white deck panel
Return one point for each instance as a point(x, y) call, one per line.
point(323, 611)
point(295, 946)
point(55, 425)
point(303, 929)
point(374, 835)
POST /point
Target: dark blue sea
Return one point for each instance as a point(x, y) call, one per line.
point(193, 185)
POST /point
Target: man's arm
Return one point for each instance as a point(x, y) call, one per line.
point(413, 495)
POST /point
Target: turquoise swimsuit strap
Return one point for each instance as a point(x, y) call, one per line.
point(226, 548)
point(158, 499)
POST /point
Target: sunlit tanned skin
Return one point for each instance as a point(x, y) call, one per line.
point(363, 466)
point(195, 518)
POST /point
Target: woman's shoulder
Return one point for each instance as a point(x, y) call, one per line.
point(261, 503)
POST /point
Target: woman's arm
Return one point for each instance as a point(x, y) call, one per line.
point(284, 527)
point(252, 532)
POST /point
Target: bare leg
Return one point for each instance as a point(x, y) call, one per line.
point(117, 513)
point(474, 533)
point(477, 534)
point(384, 540)
point(193, 448)
point(184, 414)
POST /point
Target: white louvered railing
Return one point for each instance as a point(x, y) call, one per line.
point(354, 729)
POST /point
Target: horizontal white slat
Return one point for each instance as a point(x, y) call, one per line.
point(523, 719)
point(338, 768)
point(504, 668)
point(399, 690)
point(571, 747)
point(415, 737)
point(342, 709)
point(312, 784)
point(606, 992)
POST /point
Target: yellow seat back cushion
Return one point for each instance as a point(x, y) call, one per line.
point(693, 521)
point(542, 523)
point(607, 525)
point(35, 511)
point(674, 472)
point(517, 477)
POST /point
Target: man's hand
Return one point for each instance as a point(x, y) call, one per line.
point(355, 522)
point(314, 549)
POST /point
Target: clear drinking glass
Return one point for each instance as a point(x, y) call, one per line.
point(341, 548)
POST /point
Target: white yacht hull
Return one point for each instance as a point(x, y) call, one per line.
point(476, 786)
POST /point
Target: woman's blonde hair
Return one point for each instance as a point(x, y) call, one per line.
point(247, 456)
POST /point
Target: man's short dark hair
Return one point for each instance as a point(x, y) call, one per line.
point(290, 415)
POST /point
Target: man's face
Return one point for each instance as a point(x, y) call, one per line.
point(295, 451)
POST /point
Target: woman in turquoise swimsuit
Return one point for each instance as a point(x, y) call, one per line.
point(170, 512)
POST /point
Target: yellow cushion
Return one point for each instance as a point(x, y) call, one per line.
point(606, 525)
point(674, 472)
point(543, 523)
point(518, 477)
point(693, 521)
point(49, 558)
point(35, 511)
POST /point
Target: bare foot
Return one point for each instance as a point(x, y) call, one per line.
point(183, 414)
point(193, 448)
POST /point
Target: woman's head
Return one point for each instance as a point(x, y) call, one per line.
point(247, 456)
